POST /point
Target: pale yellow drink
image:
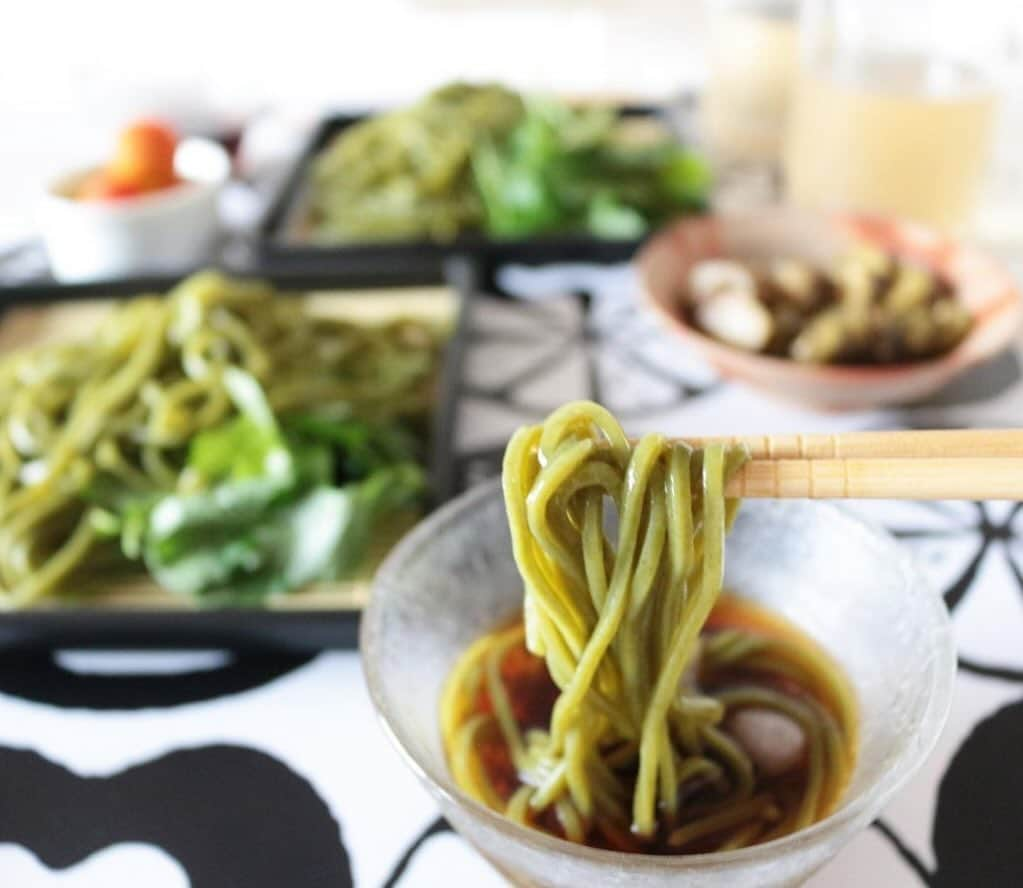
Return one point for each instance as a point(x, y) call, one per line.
point(898, 135)
point(753, 62)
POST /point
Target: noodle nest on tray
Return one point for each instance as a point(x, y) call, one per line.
point(199, 414)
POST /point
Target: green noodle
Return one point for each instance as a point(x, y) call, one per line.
point(619, 625)
point(407, 173)
point(124, 404)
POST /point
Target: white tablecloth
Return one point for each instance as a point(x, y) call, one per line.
point(225, 772)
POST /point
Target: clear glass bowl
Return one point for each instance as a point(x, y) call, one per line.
point(845, 583)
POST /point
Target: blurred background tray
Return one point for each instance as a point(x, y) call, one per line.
point(137, 613)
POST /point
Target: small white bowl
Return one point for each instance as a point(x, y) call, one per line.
point(167, 230)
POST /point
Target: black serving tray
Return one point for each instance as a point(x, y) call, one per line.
point(418, 261)
point(285, 629)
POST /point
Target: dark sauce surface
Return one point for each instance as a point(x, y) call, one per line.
point(532, 694)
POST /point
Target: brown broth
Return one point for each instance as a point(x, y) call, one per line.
point(532, 694)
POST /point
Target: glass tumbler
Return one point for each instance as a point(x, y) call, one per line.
point(752, 55)
point(894, 108)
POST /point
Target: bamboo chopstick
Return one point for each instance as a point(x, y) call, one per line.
point(873, 445)
point(914, 478)
point(953, 464)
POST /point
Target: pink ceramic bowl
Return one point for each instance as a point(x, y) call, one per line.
point(982, 284)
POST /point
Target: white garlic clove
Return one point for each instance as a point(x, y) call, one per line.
point(716, 277)
point(736, 319)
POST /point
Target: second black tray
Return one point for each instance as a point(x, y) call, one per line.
point(418, 261)
point(299, 630)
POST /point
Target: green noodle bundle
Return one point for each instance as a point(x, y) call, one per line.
point(636, 740)
point(188, 394)
point(407, 173)
point(482, 158)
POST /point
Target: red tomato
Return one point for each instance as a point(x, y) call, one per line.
point(144, 159)
point(99, 186)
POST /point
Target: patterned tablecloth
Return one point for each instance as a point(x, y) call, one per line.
point(219, 771)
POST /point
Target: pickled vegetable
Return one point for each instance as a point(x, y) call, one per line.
point(870, 308)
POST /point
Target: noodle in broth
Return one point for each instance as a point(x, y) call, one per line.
point(632, 749)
